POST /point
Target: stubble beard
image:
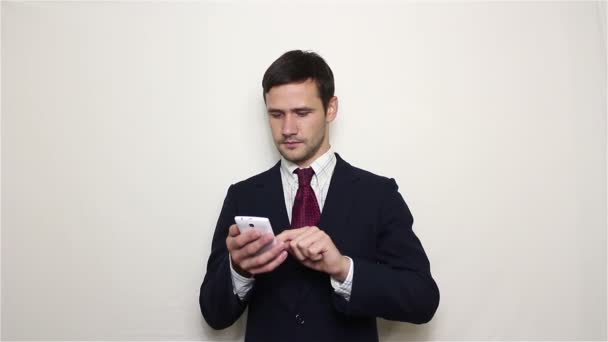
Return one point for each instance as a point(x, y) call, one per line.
point(308, 152)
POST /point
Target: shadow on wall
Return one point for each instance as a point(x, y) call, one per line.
point(236, 332)
point(399, 331)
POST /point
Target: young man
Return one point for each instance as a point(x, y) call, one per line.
point(345, 252)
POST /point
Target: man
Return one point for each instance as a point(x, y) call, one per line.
point(344, 253)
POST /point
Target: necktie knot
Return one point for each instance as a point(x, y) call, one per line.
point(304, 176)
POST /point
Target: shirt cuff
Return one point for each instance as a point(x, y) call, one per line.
point(240, 285)
point(344, 289)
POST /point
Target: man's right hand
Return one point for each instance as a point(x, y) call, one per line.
point(243, 247)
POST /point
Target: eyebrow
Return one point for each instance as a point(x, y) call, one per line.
point(297, 109)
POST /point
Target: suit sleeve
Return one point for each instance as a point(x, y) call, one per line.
point(219, 305)
point(397, 285)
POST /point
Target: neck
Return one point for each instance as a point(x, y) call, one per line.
point(322, 150)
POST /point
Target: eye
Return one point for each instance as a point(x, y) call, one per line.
point(275, 115)
point(302, 113)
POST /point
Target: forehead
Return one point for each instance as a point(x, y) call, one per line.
point(293, 95)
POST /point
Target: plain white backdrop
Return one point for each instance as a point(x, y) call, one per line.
point(124, 123)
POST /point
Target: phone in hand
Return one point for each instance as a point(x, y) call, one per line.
point(262, 224)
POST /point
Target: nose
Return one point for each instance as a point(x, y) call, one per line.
point(289, 125)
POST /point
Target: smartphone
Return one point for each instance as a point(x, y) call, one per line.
point(262, 224)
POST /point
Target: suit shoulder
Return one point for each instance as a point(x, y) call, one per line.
point(372, 178)
point(260, 178)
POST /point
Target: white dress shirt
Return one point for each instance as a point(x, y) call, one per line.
point(324, 168)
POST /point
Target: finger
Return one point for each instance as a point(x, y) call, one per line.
point(245, 238)
point(306, 239)
point(304, 232)
point(254, 246)
point(316, 249)
point(237, 245)
point(296, 247)
point(235, 242)
point(271, 265)
point(264, 258)
point(270, 254)
point(233, 231)
point(290, 234)
point(295, 251)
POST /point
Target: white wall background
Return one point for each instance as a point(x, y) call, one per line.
point(124, 123)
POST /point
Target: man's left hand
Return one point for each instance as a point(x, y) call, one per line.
point(315, 249)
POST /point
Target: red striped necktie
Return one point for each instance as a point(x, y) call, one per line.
point(305, 210)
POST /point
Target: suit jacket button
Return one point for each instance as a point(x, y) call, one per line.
point(299, 319)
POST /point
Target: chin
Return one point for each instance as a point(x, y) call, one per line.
point(292, 156)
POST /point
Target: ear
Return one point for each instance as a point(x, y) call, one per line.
point(332, 109)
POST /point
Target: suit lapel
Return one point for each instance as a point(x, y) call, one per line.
point(339, 198)
point(272, 199)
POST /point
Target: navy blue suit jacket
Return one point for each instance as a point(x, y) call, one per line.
point(369, 221)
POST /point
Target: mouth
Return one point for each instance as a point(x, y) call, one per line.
point(291, 144)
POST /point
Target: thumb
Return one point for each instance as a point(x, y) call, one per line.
point(234, 231)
